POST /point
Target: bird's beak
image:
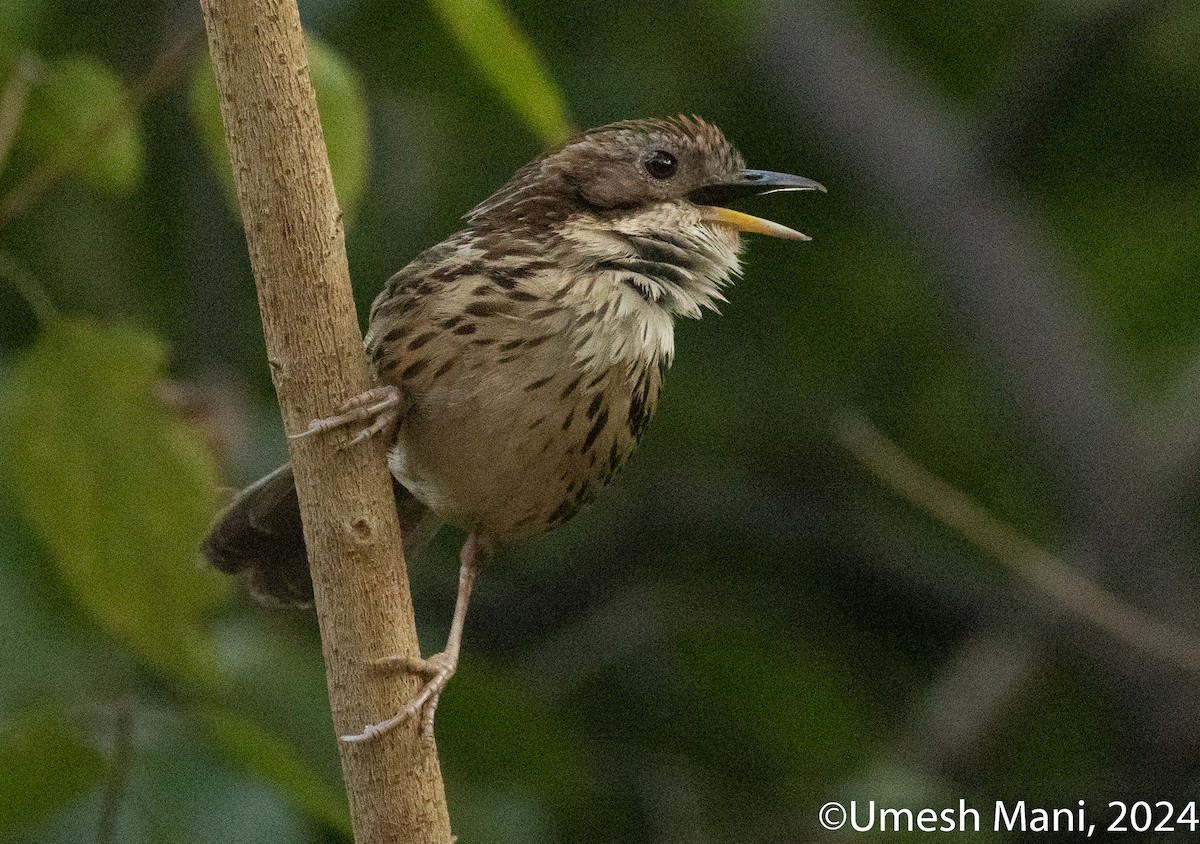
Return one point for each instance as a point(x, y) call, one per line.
point(712, 200)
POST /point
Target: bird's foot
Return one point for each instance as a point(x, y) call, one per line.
point(439, 668)
point(376, 408)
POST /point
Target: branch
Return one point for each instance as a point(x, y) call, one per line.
point(12, 103)
point(1008, 283)
point(1072, 591)
point(1176, 432)
point(118, 772)
point(27, 288)
point(1003, 280)
point(297, 251)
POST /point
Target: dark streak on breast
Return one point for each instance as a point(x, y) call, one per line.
point(570, 388)
point(485, 308)
point(456, 271)
point(666, 273)
point(662, 250)
point(414, 369)
point(421, 340)
point(597, 427)
point(639, 406)
point(562, 512)
point(595, 405)
point(395, 334)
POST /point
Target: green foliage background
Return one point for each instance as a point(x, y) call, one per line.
point(745, 626)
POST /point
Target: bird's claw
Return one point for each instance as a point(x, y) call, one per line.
point(377, 407)
point(439, 668)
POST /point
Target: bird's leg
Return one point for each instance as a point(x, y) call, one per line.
point(440, 667)
point(377, 407)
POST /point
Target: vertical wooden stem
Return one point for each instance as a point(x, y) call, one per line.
point(297, 249)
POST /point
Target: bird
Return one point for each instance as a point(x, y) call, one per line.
point(515, 365)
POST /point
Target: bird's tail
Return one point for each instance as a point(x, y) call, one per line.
point(259, 537)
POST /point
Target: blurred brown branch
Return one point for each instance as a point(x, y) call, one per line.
point(1017, 308)
point(1004, 281)
point(12, 102)
point(1070, 589)
point(118, 771)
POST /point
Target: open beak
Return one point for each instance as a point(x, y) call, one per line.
point(712, 200)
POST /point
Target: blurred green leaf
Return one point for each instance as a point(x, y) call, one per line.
point(77, 96)
point(1140, 249)
point(802, 707)
point(492, 731)
point(1171, 40)
point(931, 35)
point(115, 487)
point(509, 62)
point(205, 103)
point(266, 756)
point(1057, 742)
point(499, 816)
point(45, 767)
point(20, 23)
point(343, 109)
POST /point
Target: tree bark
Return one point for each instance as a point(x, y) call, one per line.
point(297, 250)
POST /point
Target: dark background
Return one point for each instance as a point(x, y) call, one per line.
point(748, 624)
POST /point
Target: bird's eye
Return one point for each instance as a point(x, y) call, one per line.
point(661, 164)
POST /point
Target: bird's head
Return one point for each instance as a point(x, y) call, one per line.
point(649, 199)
